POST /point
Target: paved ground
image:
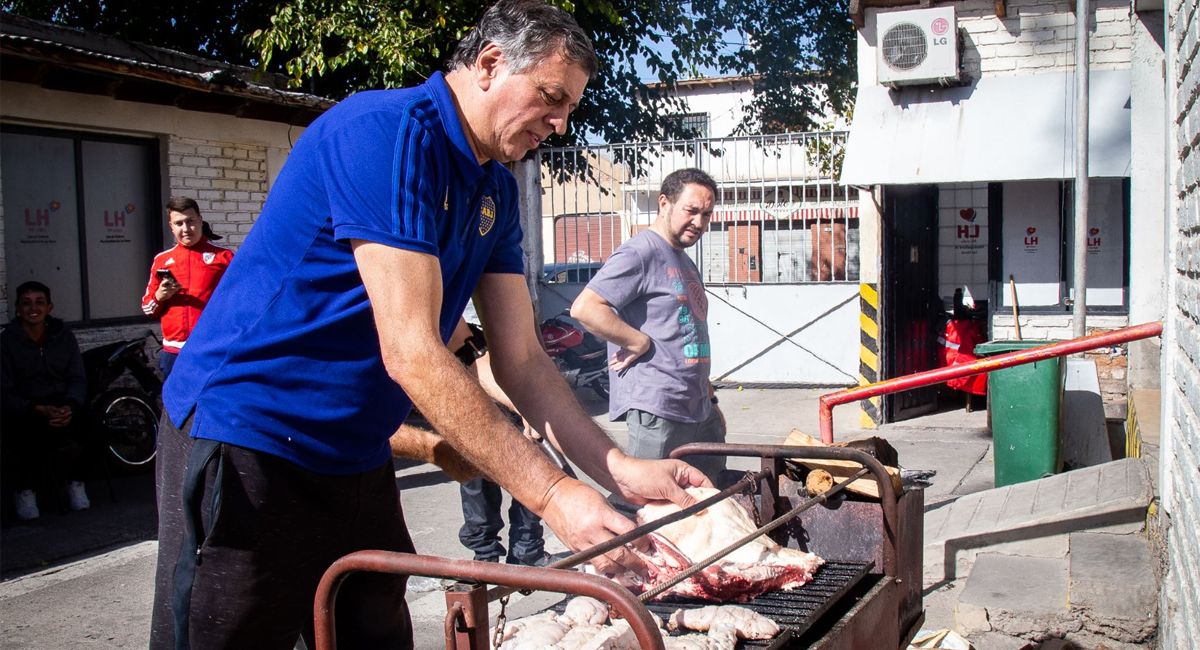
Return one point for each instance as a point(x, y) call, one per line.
point(83, 580)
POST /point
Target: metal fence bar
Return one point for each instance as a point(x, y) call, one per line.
point(781, 216)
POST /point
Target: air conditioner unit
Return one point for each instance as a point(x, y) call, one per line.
point(917, 46)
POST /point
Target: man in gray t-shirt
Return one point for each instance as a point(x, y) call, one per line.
point(649, 303)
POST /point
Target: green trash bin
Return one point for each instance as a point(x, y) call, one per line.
point(1023, 412)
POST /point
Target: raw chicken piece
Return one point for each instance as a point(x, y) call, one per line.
point(618, 636)
point(583, 610)
point(533, 632)
point(747, 623)
point(754, 568)
point(688, 642)
point(720, 637)
point(579, 635)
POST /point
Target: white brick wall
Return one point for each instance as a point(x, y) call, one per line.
point(227, 179)
point(1038, 36)
point(1180, 607)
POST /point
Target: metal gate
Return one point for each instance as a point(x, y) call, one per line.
point(780, 260)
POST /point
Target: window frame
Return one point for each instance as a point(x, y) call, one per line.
point(1066, 216)
point(154, 233)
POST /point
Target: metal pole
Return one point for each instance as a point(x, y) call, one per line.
point(528, 173)
point(1079, 306)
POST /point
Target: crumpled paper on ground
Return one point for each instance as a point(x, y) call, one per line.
point(946, 639)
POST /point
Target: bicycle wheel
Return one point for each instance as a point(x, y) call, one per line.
point(129, 421)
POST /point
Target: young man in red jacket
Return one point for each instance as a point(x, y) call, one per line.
point(183, 277)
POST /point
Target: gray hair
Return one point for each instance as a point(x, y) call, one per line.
point(673, 184)
point(527, 32)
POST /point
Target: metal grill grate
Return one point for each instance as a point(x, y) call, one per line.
point(795, 611)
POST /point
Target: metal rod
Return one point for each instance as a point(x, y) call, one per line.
point(775, 523)
point(1082, 187)
point(1007, 360)
point(620, 540)
point(887, 491)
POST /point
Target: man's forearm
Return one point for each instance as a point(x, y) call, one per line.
point(600, 319)
point(550, 406)
point(454, 403)
point(416, 443)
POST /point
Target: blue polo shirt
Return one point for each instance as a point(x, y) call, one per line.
point(285, 359)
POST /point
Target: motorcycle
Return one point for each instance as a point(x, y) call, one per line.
point(126, 417)
point(581, 358)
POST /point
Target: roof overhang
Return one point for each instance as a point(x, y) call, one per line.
point(59, 58)
point(996, 129)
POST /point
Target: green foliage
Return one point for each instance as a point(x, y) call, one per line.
point(336, 47)
point(214, 29)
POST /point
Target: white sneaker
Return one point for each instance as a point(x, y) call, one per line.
point(77, 496)
point(27, 505)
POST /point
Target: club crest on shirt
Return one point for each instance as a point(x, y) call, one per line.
point(487, 215)
point(209, 257)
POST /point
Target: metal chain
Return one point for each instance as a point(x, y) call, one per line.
point(499, 633)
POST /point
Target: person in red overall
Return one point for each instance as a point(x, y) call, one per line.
point(183, 277)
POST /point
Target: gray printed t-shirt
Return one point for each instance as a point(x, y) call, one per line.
point(657, 289)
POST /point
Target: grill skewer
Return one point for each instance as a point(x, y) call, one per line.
point(586, 554)
point(776, 523)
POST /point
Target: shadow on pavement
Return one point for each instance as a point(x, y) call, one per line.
point(56, 536)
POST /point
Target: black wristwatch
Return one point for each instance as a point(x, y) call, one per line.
point(474, 347)
point(714, 399)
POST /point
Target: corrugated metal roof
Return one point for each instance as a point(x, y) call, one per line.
point(36, 42)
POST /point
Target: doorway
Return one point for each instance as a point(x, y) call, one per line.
point(910, 303)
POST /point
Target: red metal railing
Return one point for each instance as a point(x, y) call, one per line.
point(1007, 360)
point(466, 624)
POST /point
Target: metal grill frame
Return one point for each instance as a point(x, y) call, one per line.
point(883, 612)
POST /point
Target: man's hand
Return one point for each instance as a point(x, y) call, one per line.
point(641, 481)
point(56, 416)
point(626, 356)
point(582, 518)
point(166, 289)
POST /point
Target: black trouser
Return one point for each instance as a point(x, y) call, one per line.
point(480, 532)
point(37, 455)
point(244, 538)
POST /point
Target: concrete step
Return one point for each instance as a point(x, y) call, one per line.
point(1037, 513)
point(1102, 595)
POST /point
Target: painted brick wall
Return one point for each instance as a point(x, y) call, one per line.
point(1180, 606)
point(1038, 36)
point(228, 180)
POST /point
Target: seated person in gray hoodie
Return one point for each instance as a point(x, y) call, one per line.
point(44, 389)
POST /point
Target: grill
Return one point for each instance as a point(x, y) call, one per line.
point(867, 594)
point(795, 611)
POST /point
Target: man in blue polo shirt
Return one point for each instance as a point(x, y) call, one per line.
point(331, 323)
